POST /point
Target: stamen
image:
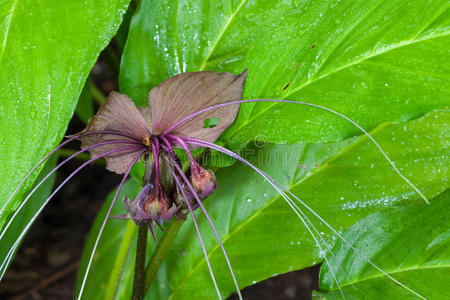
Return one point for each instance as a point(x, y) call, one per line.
point(146, 141)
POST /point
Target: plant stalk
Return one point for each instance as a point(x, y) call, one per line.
point(139, 269)
point(119, 262)
point(161, 251)
point(97, 95)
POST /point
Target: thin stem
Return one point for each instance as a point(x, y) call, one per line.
point(97, 94)
point(106, 219)
point(112, 60)
point(155, 151)
point(139, 267)
point(394, 167)
point(119, 262)
point(161, 251)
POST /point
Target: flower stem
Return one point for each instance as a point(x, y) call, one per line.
point(161, 251)
point(97, 95)
point(139, 269)
point(119, 262)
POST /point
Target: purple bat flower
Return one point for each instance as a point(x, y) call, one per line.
point(149, 128)
point(187, 111)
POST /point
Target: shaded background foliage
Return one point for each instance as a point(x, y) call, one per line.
point(383, 63)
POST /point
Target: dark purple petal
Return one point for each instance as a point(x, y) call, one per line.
point(119, 113)
point(184, 94)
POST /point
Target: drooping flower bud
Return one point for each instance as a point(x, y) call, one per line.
point(203, 180)
point(136, 208)
point(181, 199)
point(157, 206)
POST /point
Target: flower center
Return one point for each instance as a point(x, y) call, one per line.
point(146, 141)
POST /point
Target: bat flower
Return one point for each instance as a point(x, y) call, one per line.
point(186, 111)
point(156, 130)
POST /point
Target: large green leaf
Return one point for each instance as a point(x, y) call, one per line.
point(46, 52)
point(411, 244)
point(344, 182)
point(265, 238)
point(374, 61)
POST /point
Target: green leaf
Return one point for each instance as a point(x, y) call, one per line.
point(264, 237)
point(409, 243)
point(344, 182)
point(211, 122)
point(47, 50)
point(374, 61)
point(85, 109)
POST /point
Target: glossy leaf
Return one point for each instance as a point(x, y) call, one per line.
point(344, 182)
point(410, 243)
point(374, 61)
point(46, 52)
point(262, 234)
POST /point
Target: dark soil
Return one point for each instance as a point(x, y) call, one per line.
point(46, 264)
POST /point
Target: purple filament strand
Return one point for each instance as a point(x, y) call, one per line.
point(56, 149)
point(277, 186)
point(105, 220)
point(191, 211)
point(52, 172)
point(394, 167)
point(199, 202)
point(11, 252)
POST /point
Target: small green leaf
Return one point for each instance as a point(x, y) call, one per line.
point(211, 122)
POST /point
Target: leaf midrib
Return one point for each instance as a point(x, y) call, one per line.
point(220, 35)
